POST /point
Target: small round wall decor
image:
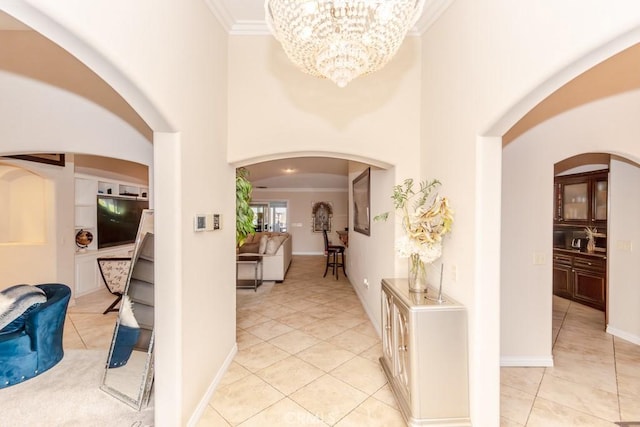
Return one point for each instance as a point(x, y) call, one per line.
point(83, 238)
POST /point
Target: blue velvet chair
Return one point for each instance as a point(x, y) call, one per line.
point(38, 346)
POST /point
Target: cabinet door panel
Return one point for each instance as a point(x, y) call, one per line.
point(387, 325)
point(575, 202)
point(402, 364)
point(562, 281)
point(600, 200)
point(589, 288)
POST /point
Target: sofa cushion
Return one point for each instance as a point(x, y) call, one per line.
point(263, 244)
point(249, 248)
point(16, 302)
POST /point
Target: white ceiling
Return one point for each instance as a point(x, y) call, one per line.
point(301, 172)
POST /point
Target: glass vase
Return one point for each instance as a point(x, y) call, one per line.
point(417, 274)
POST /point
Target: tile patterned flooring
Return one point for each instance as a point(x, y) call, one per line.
point(86, 328)
point(595, 380)
point(308, 355)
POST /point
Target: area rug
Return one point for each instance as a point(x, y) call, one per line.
point(69, 395)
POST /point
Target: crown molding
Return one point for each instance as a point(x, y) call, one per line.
point(221, 13)
point(432, 11)
point(249, 28)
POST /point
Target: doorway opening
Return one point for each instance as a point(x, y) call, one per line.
point(270, 215)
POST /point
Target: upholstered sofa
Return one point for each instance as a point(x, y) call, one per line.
point(37, 346)
point(275, 250)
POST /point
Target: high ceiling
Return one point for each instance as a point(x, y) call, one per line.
point(618, 74)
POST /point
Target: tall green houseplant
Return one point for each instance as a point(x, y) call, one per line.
point(244, 213)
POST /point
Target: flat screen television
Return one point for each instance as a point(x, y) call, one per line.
point(118, 220)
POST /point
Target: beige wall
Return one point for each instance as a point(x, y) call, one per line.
point(305, 241)
point(624, 293)
point(277, 111)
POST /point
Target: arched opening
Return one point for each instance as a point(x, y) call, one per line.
point(123, 109)
point(584, 115)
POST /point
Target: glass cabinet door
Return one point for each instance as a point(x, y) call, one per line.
point(600, 200)
point(575, 202)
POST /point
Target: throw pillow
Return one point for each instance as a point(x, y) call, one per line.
point(263, 244)
point(126, 313)
point(273, 244)
point(16, 302)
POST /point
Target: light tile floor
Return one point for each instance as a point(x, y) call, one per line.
point(308, 355)
point(595, 380)
point(86, 328)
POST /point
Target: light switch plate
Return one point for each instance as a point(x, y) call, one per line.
point(199, 222)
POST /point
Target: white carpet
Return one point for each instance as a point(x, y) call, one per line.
point(69, 395)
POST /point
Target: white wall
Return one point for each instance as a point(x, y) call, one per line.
point(624, 265)
point(305, 241)
point(609, 125)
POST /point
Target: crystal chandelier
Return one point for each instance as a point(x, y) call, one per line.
point(341, 39)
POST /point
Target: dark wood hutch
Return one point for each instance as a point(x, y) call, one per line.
point(580, 201)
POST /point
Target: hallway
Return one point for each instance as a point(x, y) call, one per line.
point(307, 355)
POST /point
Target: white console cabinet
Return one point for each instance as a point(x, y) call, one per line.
point(425, 359)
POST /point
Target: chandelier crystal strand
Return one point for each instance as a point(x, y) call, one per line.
point(341, 39)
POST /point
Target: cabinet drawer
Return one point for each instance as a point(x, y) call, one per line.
point(591, 263)
point(562, 259)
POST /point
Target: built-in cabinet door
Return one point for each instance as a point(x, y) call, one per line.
point(575, 202)
point(600, 194)
point(87, 280)
point(402, 363)
point(387, 327)
point(581, 199)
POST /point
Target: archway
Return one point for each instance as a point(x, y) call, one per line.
point(165, 140)
point(491, 259)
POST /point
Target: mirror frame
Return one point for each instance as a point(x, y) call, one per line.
point(146, 378)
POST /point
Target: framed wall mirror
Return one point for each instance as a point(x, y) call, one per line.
point(361, 202)
point(128, 374)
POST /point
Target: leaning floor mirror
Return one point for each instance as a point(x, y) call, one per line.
point(128, 373)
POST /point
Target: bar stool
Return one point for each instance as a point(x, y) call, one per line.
point(332, 252)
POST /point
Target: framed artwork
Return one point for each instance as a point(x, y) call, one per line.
point(48, 158)
point(321, 213)
point(361, 200)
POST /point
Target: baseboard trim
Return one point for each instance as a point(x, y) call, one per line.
point(635, 339)
point(375, 324)
point(527, 362)
point(197, 414)
point(307, 253)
